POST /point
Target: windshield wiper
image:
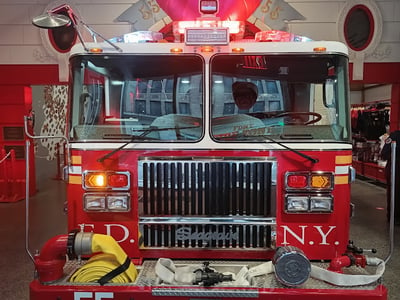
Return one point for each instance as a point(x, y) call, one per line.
point(141, 136)
point(311, 159)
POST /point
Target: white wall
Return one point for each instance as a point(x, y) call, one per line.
point(371, 94)
point(356, 97)
point(323, 18)
point(21, 42)
point(378, 93)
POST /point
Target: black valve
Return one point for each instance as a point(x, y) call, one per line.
point(357, 250)
point(208, 277)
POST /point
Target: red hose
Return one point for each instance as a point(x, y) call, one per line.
point(51, 260)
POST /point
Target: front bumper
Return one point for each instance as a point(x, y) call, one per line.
point(148, 287)
point(41, 292)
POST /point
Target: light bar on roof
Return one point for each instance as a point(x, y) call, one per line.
point(206, 36)
point(234, 26)
point(279, 36)
point(142, 37)
point(139, 37)
point(208, 6)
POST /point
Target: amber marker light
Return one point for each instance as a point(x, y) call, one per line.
point(323, 181)
point(95, 50)
point(319, 49)
point(207, 49)
point(238, 50)
point(95, 180)
point(176, 50)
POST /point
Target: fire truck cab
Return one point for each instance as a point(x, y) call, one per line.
point(209, 168)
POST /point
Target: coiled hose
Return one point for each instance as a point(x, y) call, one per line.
point(110, 265)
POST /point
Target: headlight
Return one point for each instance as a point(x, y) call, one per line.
point(297, 203)
point(321, 203)
point(118, 202)
point(93, 202)
point(309, 203)
point(106, 202)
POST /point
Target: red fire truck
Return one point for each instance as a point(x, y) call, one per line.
point(209, 168)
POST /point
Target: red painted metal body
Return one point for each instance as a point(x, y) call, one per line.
point(321, 236)
point(40, 292)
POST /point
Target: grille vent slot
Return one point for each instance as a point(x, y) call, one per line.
point(218, 204)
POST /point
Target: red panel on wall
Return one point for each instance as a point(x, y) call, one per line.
point(12, 113)
point(29, 74)
point(384, 73)
point(15, 103)
point(11, 94)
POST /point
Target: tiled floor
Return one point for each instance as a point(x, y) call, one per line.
point(369, 230)
point(46, 220)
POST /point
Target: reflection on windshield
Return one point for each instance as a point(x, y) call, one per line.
point(280, 97)
point(253, 98)
point(142, 98)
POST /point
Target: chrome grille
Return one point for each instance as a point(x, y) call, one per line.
point(207, 203)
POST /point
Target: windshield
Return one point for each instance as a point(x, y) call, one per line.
point(253, 98)
point(280, 97)
point(137, 97)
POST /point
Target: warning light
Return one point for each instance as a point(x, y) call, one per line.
point(95, 180)
point(321, 181)
point(297, 181)
point(110, 180)
point(233, 26)
point(117, 180)
point(95, 50)
point(238, 50)
point(176, 50)
point(207, 49)
point(208, 6)
point(309, 181)
point(279, 36)
point(319, 49)
point(206, 36)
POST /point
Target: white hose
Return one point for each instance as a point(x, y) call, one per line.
point(168, 273)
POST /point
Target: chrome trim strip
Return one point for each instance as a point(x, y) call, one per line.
point(206, 220)
point(231, 293)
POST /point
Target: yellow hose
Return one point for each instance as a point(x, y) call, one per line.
point(110, 257)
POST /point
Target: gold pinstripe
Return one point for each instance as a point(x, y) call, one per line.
point(343, 159)
point(75, 179)
point(76, 160)
point(341, 179)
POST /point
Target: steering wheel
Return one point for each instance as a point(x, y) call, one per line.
point(296, 117)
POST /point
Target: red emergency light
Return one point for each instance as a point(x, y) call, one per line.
point(208, 6)
point(234, 26)
point(297, 181)
point(279, 36)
